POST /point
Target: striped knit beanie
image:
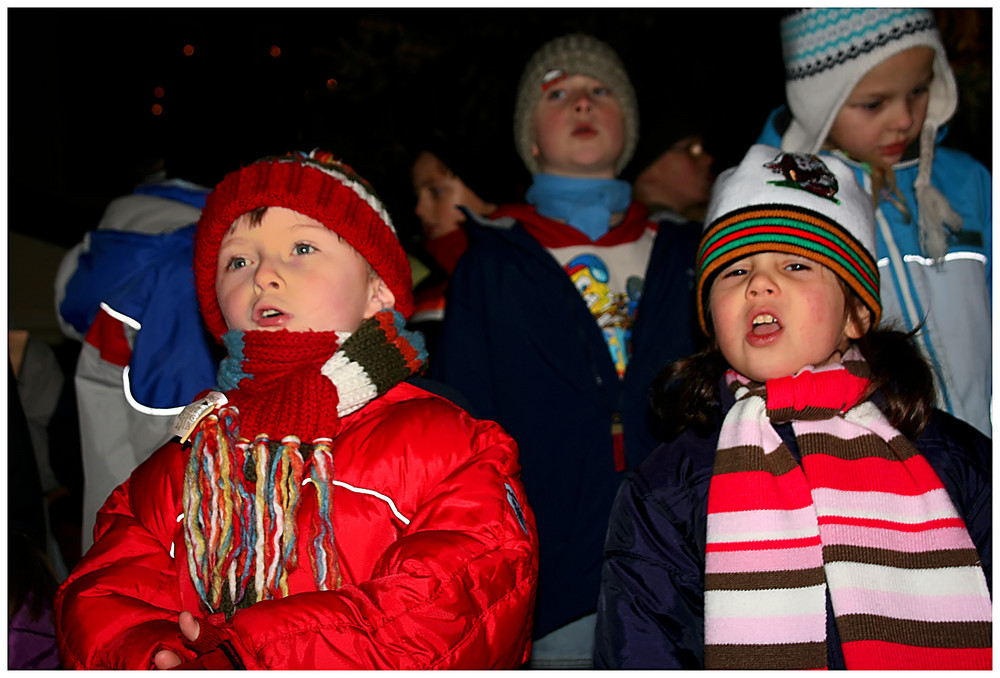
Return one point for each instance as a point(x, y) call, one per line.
point(796, 203)
point(576, 54)
point(827, 51)
point(318, 186)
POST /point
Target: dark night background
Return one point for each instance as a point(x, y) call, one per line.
point(81, 90)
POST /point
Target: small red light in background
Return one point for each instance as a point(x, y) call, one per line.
point(275, 51)
point(188, 49)
point(331, 84)
point(157, 109)
point(158, 92)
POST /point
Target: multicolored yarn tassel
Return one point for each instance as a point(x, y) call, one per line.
point(864, 514)
point(243, 488)
point(242, 517)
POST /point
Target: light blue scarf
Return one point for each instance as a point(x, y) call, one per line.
point(584, 204)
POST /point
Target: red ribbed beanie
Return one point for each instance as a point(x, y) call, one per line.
point(317, 186)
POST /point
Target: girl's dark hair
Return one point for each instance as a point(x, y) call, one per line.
point(685, 394)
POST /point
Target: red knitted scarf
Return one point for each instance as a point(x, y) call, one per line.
point(250, 458)
point(863, 514)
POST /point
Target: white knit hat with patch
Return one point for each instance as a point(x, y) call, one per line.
point(827, 51)
point(798, 203)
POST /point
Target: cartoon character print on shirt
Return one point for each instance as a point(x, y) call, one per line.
point(614, 311)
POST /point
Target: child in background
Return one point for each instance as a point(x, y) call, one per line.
point(560, 313)
point(320, 511)
point(443, 179)
point(874, 87)
point(814, 511)
point(671, 172)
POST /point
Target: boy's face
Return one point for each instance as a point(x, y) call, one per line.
point(439, 192)
point(885, 112)
point(775, 313)
point(579, 130)
point(292, 272)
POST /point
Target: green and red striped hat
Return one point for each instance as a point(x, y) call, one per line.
point(796, 203)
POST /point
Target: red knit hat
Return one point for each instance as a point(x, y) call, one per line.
point(317, 186)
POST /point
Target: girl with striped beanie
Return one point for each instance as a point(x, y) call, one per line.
point(812, 509)
point(321, 509)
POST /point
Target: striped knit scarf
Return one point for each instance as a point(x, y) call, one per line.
point(864, 513)
point(250, 458)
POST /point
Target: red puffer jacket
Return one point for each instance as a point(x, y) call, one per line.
point(436, 545)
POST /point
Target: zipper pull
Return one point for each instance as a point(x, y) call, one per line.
point(618, 440)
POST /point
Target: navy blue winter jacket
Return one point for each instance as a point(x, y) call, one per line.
point(651, 610)
point(521, 345)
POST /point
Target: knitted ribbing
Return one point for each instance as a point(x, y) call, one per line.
point(317, 186)
point(251, 457)
point(863, 513)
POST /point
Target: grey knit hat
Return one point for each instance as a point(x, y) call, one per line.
point(827, 51)
point(576, 54)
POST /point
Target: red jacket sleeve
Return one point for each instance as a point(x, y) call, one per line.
point(456, 591)
point(119, 606)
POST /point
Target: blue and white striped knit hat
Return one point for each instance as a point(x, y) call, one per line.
point(827, 51)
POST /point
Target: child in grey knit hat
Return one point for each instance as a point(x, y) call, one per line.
point(874, 86)
point(557, 321)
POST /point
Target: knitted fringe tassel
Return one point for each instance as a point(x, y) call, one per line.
point(241, 508)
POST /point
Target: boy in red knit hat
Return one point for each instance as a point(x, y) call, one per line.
point(318, 510)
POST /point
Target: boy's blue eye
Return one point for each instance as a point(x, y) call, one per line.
point(304, 248)
point(554, 94)
point(236, 262)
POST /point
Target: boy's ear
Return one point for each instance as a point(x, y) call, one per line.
point(380, 296)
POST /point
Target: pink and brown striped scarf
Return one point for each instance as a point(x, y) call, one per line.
point(863, 514)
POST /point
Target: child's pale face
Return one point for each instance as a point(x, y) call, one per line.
point(579, 129)
point(291, 272)
point(885, 112)
point(439, 193)
point(775, 313)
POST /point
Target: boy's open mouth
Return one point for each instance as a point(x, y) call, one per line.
point(270, 316)
point(764, 324)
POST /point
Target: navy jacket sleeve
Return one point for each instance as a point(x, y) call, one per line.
point(962, 458)
point(651, 608)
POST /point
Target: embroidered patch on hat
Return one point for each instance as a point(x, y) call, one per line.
point(552, 77)
point(806, 172)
